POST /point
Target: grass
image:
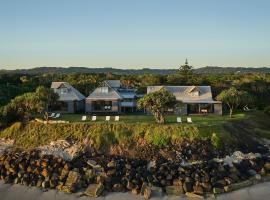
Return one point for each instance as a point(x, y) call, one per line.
point(207, 124)
point(131, 128)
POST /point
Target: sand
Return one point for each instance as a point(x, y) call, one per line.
point(14, 192)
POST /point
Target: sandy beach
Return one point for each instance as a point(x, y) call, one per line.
point(14, 192)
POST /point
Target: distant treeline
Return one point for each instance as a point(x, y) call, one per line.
point(202, 70)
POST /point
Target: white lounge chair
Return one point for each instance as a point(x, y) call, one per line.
point(189, 120)
point(84, 118)
point(107, 118)
point(52, 115)
point(246, 108)
point(179, 120)
point(117, 118)
point(94, 118)
point(57, 116)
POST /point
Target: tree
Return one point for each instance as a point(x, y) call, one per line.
point(185, 70)
point(24, 107)
point(233, 98)
point(158, 103)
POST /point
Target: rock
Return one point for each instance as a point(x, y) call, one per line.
point(217, 190)
point(251, 172)
point(156, 191)
point(198, 189)
point(73, 180)
point(45, 184)
point(188, 186)
point(147, 193)
point(144, 185)
point(237, 186)
point(267, 166)
point(118, 187)
point(93, 164)
point(111, 164)
point(94, 190)
point(45, 173)
point(174, 190)
point(135, 191)
point(177, 182)
point(192, 195)
point(207, 187)
point(130, 185)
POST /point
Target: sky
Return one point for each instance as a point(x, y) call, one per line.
point(134, 33)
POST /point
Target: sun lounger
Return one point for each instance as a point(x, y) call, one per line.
point(107, 118)
point(84, 118)
point(94, 118)
point(52, 115)
point(189, 120)
point(179, 120)
point(56, 116)
point(246, 108)
point(117, 118)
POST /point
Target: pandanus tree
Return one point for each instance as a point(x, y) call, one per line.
point(233, 98)
point(158, 103)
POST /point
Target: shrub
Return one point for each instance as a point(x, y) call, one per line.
point(267, 110)
point(215, 140)
point(35, 134)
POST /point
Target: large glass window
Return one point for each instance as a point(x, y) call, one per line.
point(64, 90)
point(102, 105)
point(104, 89)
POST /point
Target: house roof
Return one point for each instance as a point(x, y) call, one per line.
point(114, 92)
point(111, 94)
point(72, 94)
point(183, 93)
point(113, 83)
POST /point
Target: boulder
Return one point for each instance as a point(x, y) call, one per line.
point(217, 190)
point(174, 190)
point(188, 186)
point(147, 193)
point(192, 195)
point(73, 181)
point(94, 190)
point(198, 189)
point(156, 191)
point(237, 186)
point(177, 182)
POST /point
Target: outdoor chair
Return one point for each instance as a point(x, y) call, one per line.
point(189, 120)
point(52, 115)
point(107, 118)
point(94, 118)
point(117, 118)
point(84, 118)
point(179, 120)
point(57, 116)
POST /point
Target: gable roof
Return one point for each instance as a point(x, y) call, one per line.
point(72, 94)
point(113, 83)
point(183, 93)
point(111, 94)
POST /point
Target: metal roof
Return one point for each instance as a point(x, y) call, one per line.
point(184, 93)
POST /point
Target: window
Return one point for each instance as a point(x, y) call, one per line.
point(104, 89)
point(195, 93)
point(63, 90)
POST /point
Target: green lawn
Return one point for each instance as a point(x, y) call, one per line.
point(230, 130)
point(206, 124)
point(207, 120)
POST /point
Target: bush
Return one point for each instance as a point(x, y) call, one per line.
point(215, 140)
point(35, 134)
point(267, 110)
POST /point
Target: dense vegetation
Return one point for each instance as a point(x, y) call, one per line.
point(34, 134)
point(256, 84)
point(201, 70)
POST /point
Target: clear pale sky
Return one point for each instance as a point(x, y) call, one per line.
point(134, 33)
